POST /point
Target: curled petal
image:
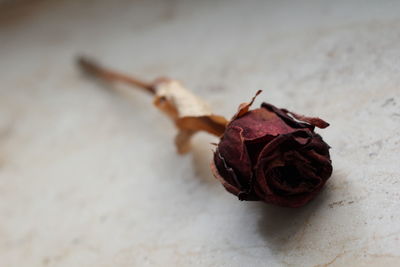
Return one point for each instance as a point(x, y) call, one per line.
point(234, 151)
point(228, 178)
point(315, 121)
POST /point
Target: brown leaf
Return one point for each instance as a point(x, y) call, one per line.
point(190, 113)
point(182, 140)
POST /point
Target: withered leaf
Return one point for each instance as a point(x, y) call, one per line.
point(190, 113)
point(244, 107)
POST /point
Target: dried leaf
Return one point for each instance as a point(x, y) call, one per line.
point(182, 140)
point(244, 107)
point(189, 112)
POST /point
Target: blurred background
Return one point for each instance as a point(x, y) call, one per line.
point(90, 177)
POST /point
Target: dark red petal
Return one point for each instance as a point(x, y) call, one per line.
point(259, 123)
point(281, 153)
point(227, 171)
point(270, 157)
point(233, 150)
point(227, 176)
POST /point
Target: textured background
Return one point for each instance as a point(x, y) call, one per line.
point(89, 177)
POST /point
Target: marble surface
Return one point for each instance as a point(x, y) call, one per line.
point(90, 177)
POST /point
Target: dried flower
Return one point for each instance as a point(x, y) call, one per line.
point(265, 154)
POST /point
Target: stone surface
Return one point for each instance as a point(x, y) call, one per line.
point(89, 177)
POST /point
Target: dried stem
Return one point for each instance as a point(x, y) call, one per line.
point(189, 113)
point(107, 75)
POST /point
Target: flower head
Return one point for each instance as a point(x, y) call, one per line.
point(273, 155)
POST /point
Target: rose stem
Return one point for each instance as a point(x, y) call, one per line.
point(107, 75)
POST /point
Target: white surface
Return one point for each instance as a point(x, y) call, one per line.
point(89, 177)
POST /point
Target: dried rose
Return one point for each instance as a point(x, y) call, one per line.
point(264, 154)
point(273, 155)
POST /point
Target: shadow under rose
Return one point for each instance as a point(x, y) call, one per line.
point(330, 227)
point(281, 227)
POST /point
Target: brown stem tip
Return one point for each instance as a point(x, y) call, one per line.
point(91, 67)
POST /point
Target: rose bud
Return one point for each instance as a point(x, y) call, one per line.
point(272, 155)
